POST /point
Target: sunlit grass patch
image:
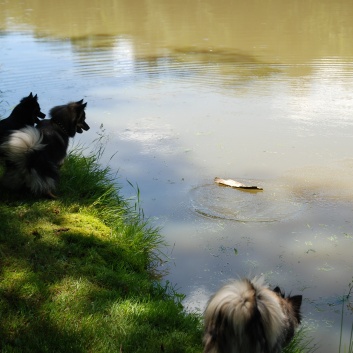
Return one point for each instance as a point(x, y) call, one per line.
point(150, 318)
point(79, 274)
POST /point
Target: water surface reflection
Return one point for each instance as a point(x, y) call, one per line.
point(186, 92)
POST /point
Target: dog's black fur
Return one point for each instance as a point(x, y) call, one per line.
point(26, 113)
point(35, 155)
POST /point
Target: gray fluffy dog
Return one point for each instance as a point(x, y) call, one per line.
point(246, 316)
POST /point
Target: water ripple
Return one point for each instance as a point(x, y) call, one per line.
point(272, 204)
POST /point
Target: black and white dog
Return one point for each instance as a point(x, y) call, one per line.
point(246, 316)
point(34, 155)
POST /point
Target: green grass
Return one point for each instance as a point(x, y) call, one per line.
point(301, 342)
point(346, 348)
point(79, 274)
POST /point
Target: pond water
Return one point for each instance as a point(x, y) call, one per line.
point(257, 91)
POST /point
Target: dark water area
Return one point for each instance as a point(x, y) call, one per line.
point(260, 92)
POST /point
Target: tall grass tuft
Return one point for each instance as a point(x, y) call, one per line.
point(96, 187)
point(301, 342)
point(345, 298)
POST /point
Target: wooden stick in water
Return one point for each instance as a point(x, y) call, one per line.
point(235, 184)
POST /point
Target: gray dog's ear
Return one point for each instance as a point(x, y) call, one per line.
point(279, 292)
point(79, 102)
point(296, 302)
point(30, 95)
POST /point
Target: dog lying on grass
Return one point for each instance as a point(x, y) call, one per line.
point(245, 316)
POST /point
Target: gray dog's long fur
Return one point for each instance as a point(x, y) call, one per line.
point(245, 316)
point(19, 144)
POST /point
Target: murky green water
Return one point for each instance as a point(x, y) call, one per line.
point(257, 91)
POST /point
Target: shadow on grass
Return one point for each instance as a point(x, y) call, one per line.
point(77, 273)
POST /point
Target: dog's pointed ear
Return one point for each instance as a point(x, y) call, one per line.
point(80, 107)
point(79, 102)
point(277, 290)
point(30, 95)
point(296, 302)
point(35, 97)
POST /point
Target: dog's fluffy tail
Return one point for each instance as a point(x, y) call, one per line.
point(243, 316)
point(20, 144)
point(20, 150)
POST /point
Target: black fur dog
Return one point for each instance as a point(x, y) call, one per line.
point(34, 155)
point(26, 113)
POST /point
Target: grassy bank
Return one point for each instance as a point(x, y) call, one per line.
point(78, 274)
